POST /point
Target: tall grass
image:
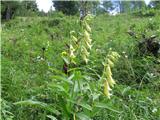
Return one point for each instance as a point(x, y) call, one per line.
point(28, 72)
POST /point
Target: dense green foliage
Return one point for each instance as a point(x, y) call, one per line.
point(32, 70)
point(9, 9)
point(67, 7)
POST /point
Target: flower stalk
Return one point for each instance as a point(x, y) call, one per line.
point(109, 82)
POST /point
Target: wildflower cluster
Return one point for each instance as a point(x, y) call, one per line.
point(107, 73)
point(86, 43)
point(82, 44)
point(69, 55)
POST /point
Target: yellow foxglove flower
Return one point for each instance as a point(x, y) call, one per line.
point(108, 74)
point(72, 55)
point(110, 63)
point(85, 58)
point(84, 51)
point(108, 71)
point(74, 38)
point(88, 45)
point(89, 40)
point(111, 81)
point(107, 89)
point(86, 35)
point(88, 27)
point(71, 48)
point(112, 57)
point(116, 54)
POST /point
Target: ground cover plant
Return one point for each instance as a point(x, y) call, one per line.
point(61, 67)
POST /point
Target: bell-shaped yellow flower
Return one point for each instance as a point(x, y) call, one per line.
point(88, 27)
point(89, 40)
point(110, 62)
point(72, 54)
point(85, 58)
point(84, 51)
point(107, 89)
point(74, 38)
point(86, 35)
point(108, 71)
point(71, 48)
point(111, 81)
point(88, 45)
point(115, 54)
point(108, 74)
point(111, 57)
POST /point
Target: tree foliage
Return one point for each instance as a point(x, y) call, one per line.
point(67, 7)
point(10, 8)
point(155, 4)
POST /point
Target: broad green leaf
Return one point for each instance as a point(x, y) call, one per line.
point(84, 105)
point(66, 60)
point(38, 104)
point(58, 71)
point(71, 77)
point(126, 90)
point(61, 88)
point(63, 79)
point(82, 116)
point(51, 117)
point(76, 88)
point(103, 105)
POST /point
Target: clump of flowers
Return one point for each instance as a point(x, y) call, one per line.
point(82, 44)
point(86, 43)
point(69, 55)
point(107, 73)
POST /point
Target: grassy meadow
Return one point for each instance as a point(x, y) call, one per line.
point(34, 86)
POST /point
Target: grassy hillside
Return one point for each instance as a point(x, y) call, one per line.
point(31, 56)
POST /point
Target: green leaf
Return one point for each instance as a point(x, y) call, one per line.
point(71, 77)
point(84, 105)
point(51, 117)
point(62, 78)
point(60, 88)
point(82, 116)
point(103, 105)
point(126, 90)
point(66, 60)
point(76, 88)
point(57, 71)
point(38, 104)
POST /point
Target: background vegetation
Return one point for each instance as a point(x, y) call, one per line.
point(34, 86)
